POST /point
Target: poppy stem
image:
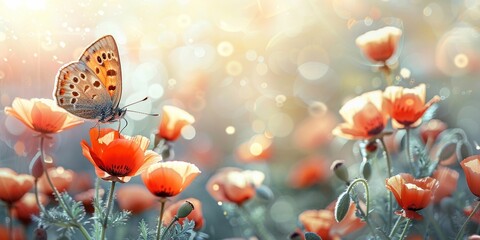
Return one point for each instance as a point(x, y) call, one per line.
point(394, 229)
point(405, 228)
point(169, 226)
point(109, 207)
point(388, 74)
point(160, 217)
point(460, 233)
point(37, 198)
point(389, 171)
point(57, 194)
point(407, 148)
point(262, 232)
point(9, 221)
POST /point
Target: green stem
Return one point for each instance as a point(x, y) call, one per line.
point(367, 202)
point(57, 194)
point(388, 74)
point(169, 226)
point(460, 233)
point(390, 198)
point(9, 221)
point(405, 228)
point(407, 148)
point(260, 229)
point(37, 198)
point(160, 217)
point(394, 229)
point(109, 207)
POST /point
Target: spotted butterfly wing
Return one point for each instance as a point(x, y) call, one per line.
point(91, 87)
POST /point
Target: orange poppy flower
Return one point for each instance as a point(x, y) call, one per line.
point(315, 131)
point(308, 172)
point(407, 105)
point(196, 214)
point(135, 198)
point(87, 198)
point(167, 179)
point(379, 45)
point(117, 157)
point(42, 115)
point(364, 117)
point(411, 194)
point(18, 233)
point(13, 186)
point(173, 120)
point(430, 130)
point(234, 185)
point(447, 183)
point(27, 206)
point(322, 222)
point(61, 179)
point(471, 167)
point(258, 148)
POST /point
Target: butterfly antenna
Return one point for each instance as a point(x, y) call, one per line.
point(126, 124)
point(128, 105)
point(149, 114)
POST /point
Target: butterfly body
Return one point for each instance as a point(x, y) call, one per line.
point(91, 87)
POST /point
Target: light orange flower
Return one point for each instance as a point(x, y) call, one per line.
point(168, 179)
point(42, 115)
point(447, 183)
point(323, 223)
point(61, 179)
point(196, 215)
point(13, 186)
point(27, 206)
point(258, 148)
point(411, 194)
point(471, 167)
point(87, 198)
point(117, 157)
point(407, 105)
point(308, 172)
point(135, 198)
point(379, 45)
point(173, 120)
point(364, 117)
point(234, 185)
point(315, 131)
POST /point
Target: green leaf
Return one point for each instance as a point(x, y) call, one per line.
point(342, 206)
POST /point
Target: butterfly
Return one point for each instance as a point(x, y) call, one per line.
point(91, 87)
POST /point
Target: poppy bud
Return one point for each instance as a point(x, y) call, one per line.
point(342, 206)
point(295, 236)
point(40, 234)
point(340, 170)
point(185, 209)
point(264, 192)
point(36, 166)
point(366, 169)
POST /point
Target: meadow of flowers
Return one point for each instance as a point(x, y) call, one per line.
point(258, 120)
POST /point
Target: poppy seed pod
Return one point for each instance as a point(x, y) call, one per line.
point(340, 170)
point(184, 210)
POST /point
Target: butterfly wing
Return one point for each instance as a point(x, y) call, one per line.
point(80, 92)
point(104, 62)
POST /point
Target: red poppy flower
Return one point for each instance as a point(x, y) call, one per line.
point(135, 198)
point(173, 120)
point(168, 179)
point(61, 179)
point(411, 194)
point(117, 157)
point(87, 199)
point(18, 233)
point(196, 214)
point(27, 206)
point(407, 105)
point(13, 186)
point(364, 117)
point(308, 172)
point(430, 130)
point(447, 182)
point(234, 185)
point(42, 115)
point(379, 45)
point(471, 167)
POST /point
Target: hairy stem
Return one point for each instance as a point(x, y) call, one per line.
point(407, 148)
point(405, 228)
point(160, 217)
point(109, 207)
point(389, 171)
point(57, 194)
point(460, 233)
point(260, 229)
point(394, 229)
point(169, 226)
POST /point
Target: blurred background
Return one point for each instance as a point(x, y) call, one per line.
point(263, 78)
